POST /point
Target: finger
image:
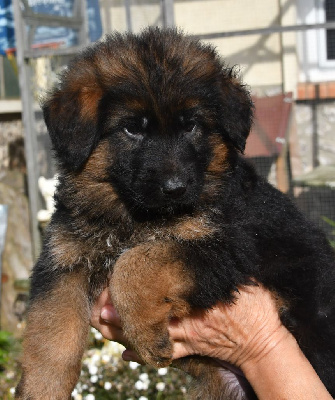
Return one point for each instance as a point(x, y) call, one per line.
point(185, 330)
point(111, 332)
point(131, 355)
point(102, 300)
point(108, 324)
point(181, 330)
point(110, 315)
point(177, 333)
point(180, 350)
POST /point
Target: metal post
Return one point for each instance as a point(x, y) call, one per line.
point(128, 15)
point(3, 230)
point(29, 127)
point(168, 13)
point(83, 35)
point(315, 137)
point(2, 79)
point(24, 17)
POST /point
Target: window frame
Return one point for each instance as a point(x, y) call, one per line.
point(324, 62)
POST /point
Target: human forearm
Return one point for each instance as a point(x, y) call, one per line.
point(270, 374)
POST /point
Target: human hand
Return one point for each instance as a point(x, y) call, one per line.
point(247, 334)
point(237, 333)
point(234, 333)
point(106, 320)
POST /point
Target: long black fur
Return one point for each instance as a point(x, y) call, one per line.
point(137, 97)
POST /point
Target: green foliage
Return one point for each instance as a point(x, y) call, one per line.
point(332, 224)
point(9, 350)
point(6, 341)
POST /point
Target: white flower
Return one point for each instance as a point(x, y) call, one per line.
point(105, 358)
point(90, 397)
point(143, 398)
point(139, 385)
point(144, 377)
point(76, 395)
point(94, 379)
point(160, 386)
point(10, 374)
point(95, 358)
point(93, 369)
point(12, 390)
point(162, 371)
point(98, 335)
point(107, 385)
point(133, 364)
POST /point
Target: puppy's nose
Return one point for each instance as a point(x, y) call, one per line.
point(174, 187)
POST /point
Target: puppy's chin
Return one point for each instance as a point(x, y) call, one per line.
point(151, 205)
point(145, 212)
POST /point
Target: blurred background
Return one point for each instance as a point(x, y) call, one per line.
point(285, 50)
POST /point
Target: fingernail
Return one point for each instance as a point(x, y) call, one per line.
point(107, 315)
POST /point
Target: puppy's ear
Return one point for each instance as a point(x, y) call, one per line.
point(70, 114)
point(237, 107)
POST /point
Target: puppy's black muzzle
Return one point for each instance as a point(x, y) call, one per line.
point(174, 187)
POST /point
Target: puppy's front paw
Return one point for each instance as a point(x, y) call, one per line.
point(150, 285)
point(155, 350)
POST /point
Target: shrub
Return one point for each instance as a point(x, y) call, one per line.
point(106, 376)
point(9, 350)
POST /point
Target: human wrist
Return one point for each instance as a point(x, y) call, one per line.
point(282, 372)
point(267, 348)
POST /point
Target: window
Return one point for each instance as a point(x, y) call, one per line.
point(316, 47)
point(330, 33)
point(326, 13)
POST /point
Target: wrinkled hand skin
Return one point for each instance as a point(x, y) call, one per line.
point(159, 287)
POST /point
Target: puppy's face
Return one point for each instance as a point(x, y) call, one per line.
point(160, 152)
point(164, 106)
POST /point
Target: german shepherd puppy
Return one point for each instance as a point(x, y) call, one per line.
point(155, 200)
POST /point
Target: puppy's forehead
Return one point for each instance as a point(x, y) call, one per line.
point(159, 63)
point(162, 70)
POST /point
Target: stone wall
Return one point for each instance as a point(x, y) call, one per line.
point(316, 202)
point(11, 131)
point(325, 126)
point(17, 256)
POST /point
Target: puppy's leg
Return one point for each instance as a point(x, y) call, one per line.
point(149, 285)
point(213, 382)
point(54, 341)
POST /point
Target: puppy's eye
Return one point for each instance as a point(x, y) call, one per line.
point(136, 131)
point(190, 127)
point(133, 133)
point(187, 125)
